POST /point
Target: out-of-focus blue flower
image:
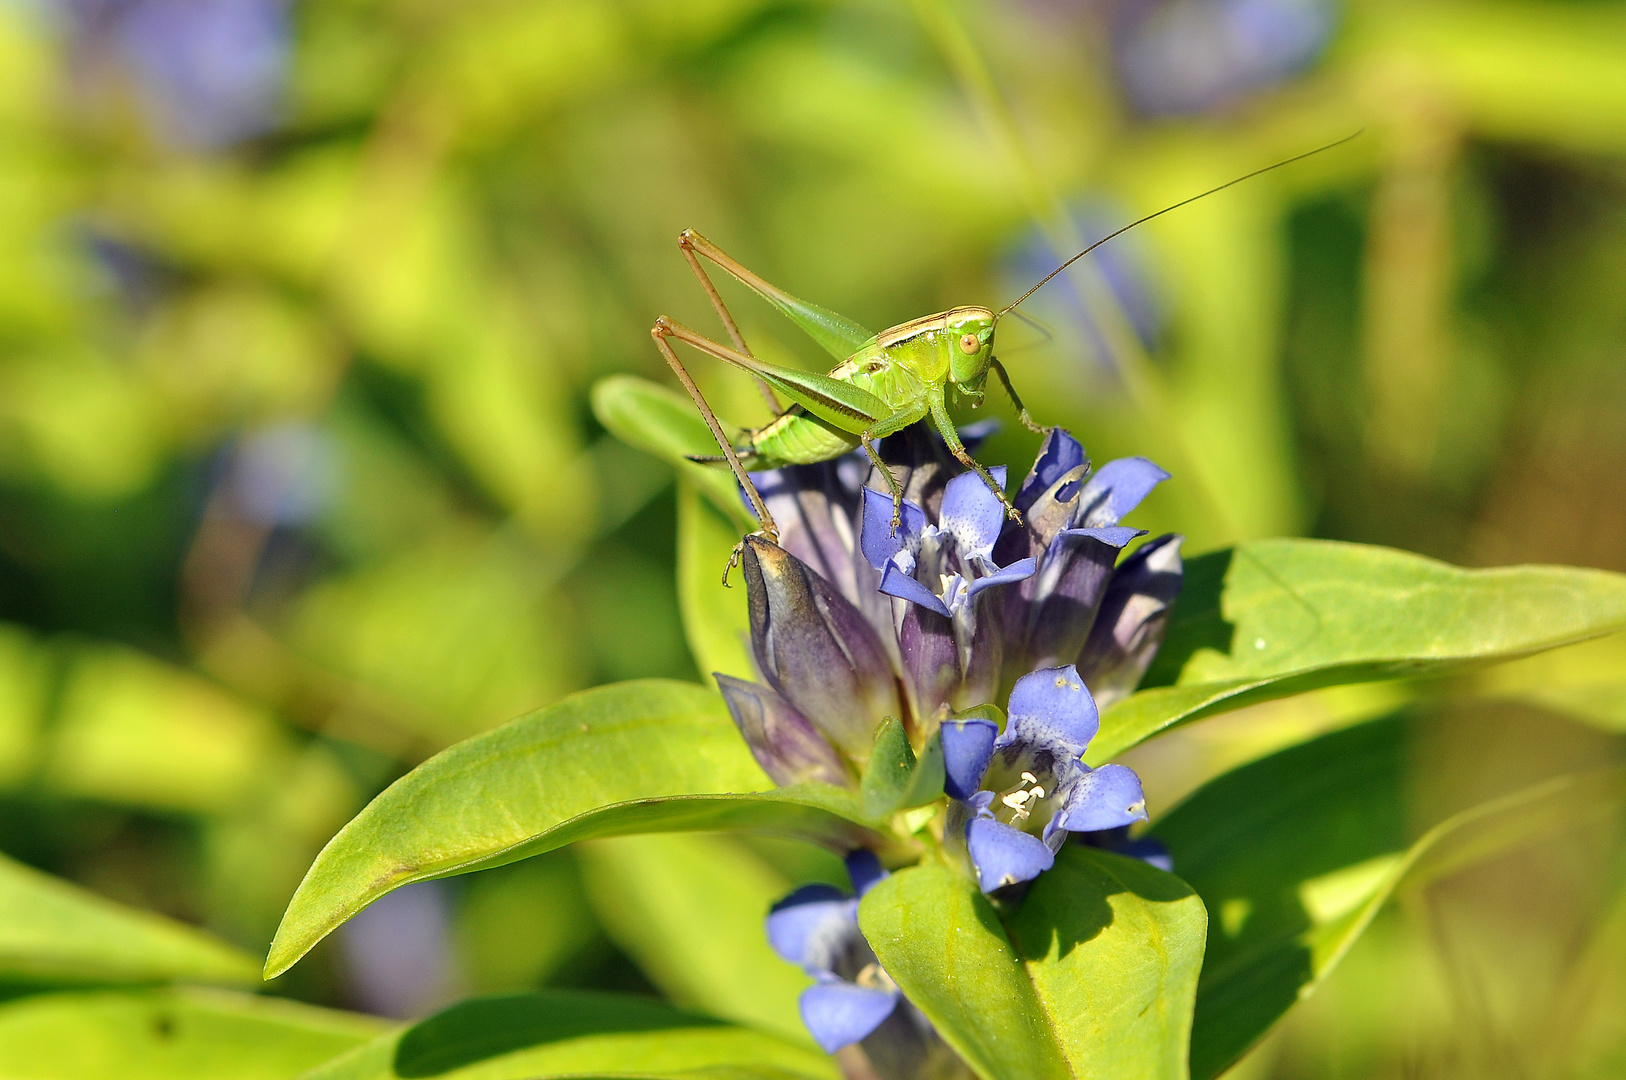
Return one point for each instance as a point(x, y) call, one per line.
point(816, 928)
point(1186, 56)
point(212, 72)
point(284, 474)
point(1121, 264)
point(1018, 793)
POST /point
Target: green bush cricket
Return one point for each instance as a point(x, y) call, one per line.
point(884, 382)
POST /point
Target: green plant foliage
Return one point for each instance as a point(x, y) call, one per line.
point(51, 931)
point(1113, 947)
point(665, 423)
point(1294, 855)
point(572, 1033)
point(894, 778)
point(689, 909)
point(648, 756)
point(942, 942)
point(1276, 617)
point(171, 1035)
point(715, 620)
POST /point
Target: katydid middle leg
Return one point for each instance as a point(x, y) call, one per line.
point(945, 427)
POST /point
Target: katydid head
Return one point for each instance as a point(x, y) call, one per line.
point(972, 329)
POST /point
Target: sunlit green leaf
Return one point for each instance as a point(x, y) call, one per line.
point(171, 1035)
point(51, 931)
point(1277, 617)
point(569, 1033)
point(942, 942)
point(665, 423)
point(1586, 681)
point(1293, 856)
point(715, 619)
point(690, 911)
point(645, 756)
point(1113, 947)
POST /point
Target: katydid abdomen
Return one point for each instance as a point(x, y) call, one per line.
point(797, 437)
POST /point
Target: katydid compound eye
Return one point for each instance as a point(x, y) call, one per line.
point(969, 343)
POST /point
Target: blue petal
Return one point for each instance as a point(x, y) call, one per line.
point(801, 925)
point(896, 583)
point(865, 870)
point(1003, 855)
point(967, 747)
point(1104, 798)
point(1060, 454)
point(1117, 488)
point(875, 535)
point(1017, 571)
point(841, 1013)
point(972, 513)
point(1148, 850)
point(1051, 707)
point(1111, 535)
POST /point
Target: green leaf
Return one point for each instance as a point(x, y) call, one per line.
point(644, 756)
point(893, 778)
point(1586, 681)
point(1276, 617)
point(941, 941)
point(51, 931)
point(570, 1033)
point(1113, 947)
point(665, 423)
point(690, 910)
point(716, 620)
point(1293, 855)
point(171, 1035)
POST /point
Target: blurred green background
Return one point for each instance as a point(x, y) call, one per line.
point(300, 306)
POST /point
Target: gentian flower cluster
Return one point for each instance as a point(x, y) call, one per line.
point(853, 622)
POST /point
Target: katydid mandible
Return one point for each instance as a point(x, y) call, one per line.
point(884, 382)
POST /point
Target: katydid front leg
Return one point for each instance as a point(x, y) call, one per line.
point(891, 425)
point(945, 428)
point(1010, 391)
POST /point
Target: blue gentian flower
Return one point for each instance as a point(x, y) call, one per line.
point(852, 622)
point(816, 928)
point(1071, 528)
point(1017, 794)
point(853, 1007)
point(942, 572)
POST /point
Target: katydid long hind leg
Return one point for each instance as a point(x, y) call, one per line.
point(659, 332)
point(686, 243)
point(1022, 413)
point(945, 428)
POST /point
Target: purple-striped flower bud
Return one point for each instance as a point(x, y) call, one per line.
point(817, 650)
point(785, 744)
point(1132, 620)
